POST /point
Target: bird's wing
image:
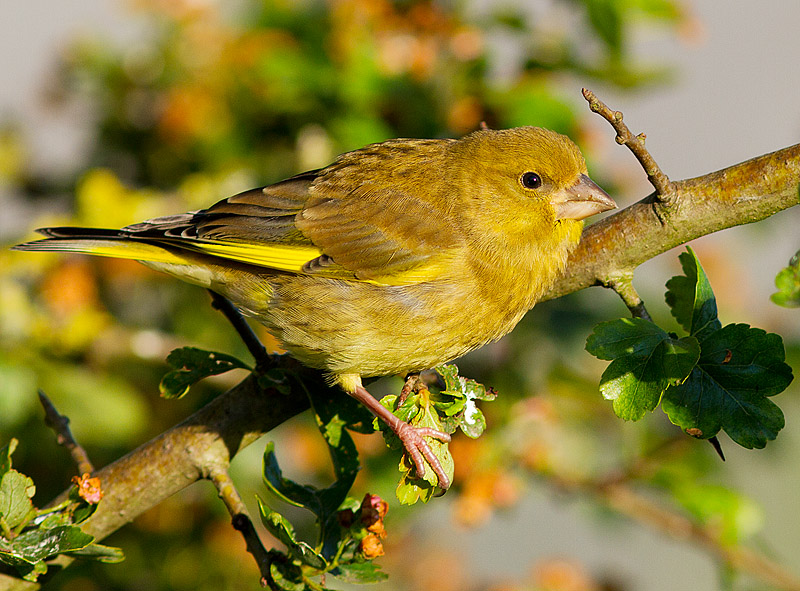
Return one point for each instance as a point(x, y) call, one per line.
point(305, 224)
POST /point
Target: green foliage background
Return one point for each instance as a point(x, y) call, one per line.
point(220, 99)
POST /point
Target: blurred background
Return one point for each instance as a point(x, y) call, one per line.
point(116, 111)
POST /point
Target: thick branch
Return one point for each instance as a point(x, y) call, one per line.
point(175, 459)
point(742, 194)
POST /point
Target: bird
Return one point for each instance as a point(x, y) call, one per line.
point(395, 258)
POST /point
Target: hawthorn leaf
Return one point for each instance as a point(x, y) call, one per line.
point(38, 544)
point(190, 365)
point(458, 402)
point(645, 360)
point(788, 283)
point(16, 492)
point(739, 368)
point(5, 456)
point(691, 298)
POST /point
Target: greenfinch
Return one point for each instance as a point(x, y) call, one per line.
point(395, 258)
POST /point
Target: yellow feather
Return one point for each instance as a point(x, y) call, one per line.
point(274, 256)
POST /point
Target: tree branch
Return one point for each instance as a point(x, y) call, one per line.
point(742, 194)
point(181, 456)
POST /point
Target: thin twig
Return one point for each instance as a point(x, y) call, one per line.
point(635, 143)
point(240, 519)
point(249, 337)
point(623, 287)
point(60, 425)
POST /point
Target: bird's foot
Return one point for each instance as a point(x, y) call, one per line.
point(420, 452)
point(411, 437)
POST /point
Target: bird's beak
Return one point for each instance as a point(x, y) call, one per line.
point(581, 200)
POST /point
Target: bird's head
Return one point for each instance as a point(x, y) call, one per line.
point(529, 176)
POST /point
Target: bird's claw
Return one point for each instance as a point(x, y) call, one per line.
point(420, 452)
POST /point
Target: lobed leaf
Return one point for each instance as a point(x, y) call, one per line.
point(739, 368)
point(5, 456)
point(691, 298)
point(788, 283)
point(645, 361)
point(16, 491)
point(36, 545)
point(458, 402)
point(411, 488)
point(192, 365)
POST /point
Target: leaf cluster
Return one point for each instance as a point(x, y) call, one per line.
point(714, 378)
point(446, 405)
point(30, 536)
point(338, 550)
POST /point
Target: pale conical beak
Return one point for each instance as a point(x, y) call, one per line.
point(583, 199)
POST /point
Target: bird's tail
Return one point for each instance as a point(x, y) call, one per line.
point(101, 242)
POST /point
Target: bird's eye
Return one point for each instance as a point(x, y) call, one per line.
point(531, 180)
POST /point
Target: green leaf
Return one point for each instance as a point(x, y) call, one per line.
point(279, 527)
point(192, 365)
point(38, 544)
point(83, 511)
point(5, 456)
point(691, 298)
point(411, 488)
point(645, 361)
point(332, 419)
point(287, 576)
point(16, 491)
point(336, 412)
point(360, 573)
point(739, 368)
point(287, 490)
point(101, 553)
point(788, 283)
point(457, 400)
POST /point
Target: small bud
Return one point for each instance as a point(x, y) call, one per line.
point(88, 488)
point(376, 503)
point(346, 517)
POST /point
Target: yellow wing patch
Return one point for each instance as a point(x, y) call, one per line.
point(274, 256)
